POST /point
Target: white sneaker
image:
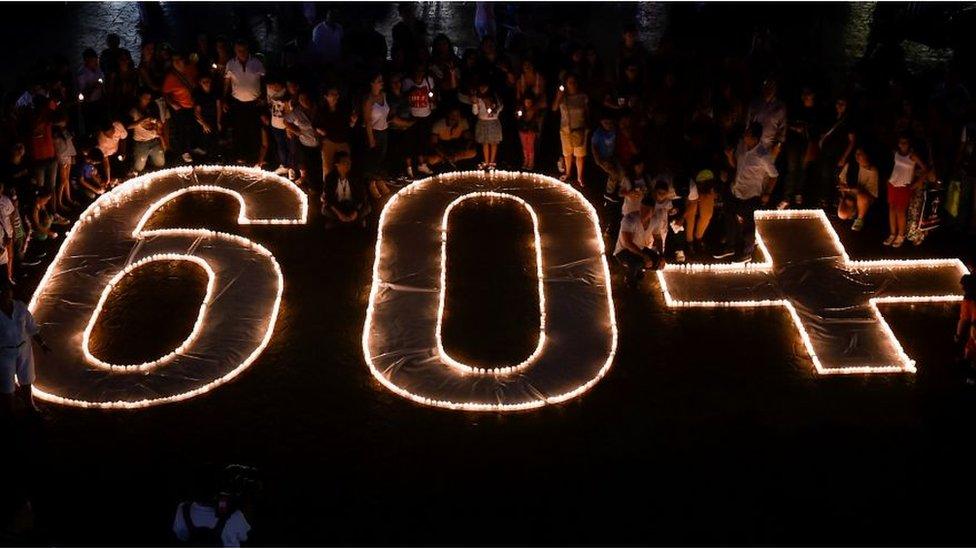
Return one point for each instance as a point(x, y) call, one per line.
point(187, 157)
point(291, 174)
point(783, 205)
point(281, 170)
point(424, 169)
point(679, 256)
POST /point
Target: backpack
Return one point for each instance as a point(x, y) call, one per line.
point(201, 536)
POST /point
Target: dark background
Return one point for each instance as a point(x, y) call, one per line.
point(711, 428)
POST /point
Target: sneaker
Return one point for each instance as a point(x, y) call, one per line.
point(858, 224)
point(187, 157)
point(424, 169)
point(281, 170)
point(889, 241)
point(291, 174)
point(898, 242)
point(783, 204)
point(679, 256)
point(722, 254)
point(561, 165)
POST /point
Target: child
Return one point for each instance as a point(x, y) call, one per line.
point(529, 126)
point(90, 180)
point(858, 184)
point(488, 130)
point(279, 105)
point(901, 185)
point(207, 111)
point(663, 209)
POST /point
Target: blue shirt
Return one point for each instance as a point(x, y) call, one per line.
point(605, 142)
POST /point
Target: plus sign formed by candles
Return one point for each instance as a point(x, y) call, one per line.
point(832, 300)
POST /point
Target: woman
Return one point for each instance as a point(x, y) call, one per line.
point(698, 210)
point(444, 66)
point(900, 189)
point(488, 130)
point(531, 81)
point(298, 123)
point(573, 107)
point(858, 183)
point(122, 85)
point(376, 112)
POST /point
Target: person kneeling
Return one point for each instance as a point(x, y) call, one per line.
point(343, 196)
point(635, 243)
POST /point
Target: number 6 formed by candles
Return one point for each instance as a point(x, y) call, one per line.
point(577, 331)
point(109, 241)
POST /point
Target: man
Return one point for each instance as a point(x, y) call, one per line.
point(770, 112)
point(755, 178)
point(344, 196)
point(178, 88)
point(242, 94)
point(109, 61)
point(450, 140)
point(327, 39)
point(90, 78)
point(17, 327)
point(635, 243)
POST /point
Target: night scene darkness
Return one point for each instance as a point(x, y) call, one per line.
point(487, 274)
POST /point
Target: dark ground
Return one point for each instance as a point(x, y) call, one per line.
point(711, 428)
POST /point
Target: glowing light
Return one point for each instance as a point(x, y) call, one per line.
point(524, 189)
point(562, 88)
point(430, 94)
point(214, 66)
point(130, 205)
point(81, 97)
point(904, 362)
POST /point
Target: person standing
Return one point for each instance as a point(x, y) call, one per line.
point(242, 93)
point(573, 107)
point(376, 115)
point(17, 327)
point(178, 91)
point(755, 178)
point(901, 187)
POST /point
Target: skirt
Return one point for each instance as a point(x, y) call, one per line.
point(488, 132)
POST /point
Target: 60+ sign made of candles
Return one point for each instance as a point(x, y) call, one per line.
point(577, 332)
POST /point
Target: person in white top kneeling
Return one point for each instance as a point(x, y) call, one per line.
point(635, 248)
point(17, 327)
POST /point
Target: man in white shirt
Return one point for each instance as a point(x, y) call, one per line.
point(755, 177)
point(771, 113)
point(196, 520)
point(635, 243)
point(17, 328)
point(243, 90)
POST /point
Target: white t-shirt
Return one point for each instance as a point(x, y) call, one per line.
point(235, 529)
point(245, 79)
point(752, 167)
point(109, 144)
point(418, 94)
point(279, 106)
point(632, 204)
point(18, 327)
point(6, 209)
point(632, 223)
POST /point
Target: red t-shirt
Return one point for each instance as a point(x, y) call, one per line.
point(177, 91)
point(41, 137)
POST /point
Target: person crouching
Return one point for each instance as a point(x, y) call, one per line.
point(344, 195)
point(635, 242)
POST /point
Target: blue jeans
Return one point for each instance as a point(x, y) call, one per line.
point(284, 147)
point(147, 150)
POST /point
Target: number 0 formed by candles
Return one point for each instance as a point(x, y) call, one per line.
point(577, 331)
point(110, 241)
